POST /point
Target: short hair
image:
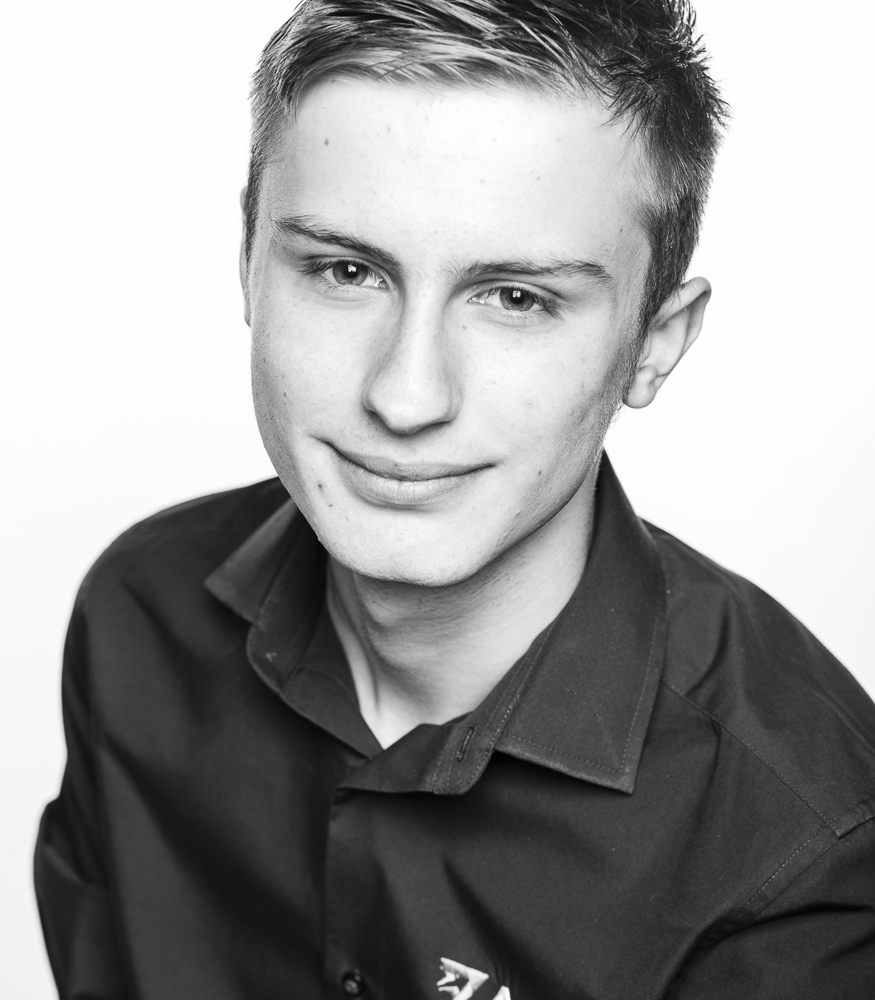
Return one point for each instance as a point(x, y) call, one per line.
point(641, 58)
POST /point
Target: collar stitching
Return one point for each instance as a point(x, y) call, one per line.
point(494, 732)
point(437, 784)
point(534, 661)
point(570, 756)
point(305, 622)
point(296, 664)
point(623, 762)
point(647, 673)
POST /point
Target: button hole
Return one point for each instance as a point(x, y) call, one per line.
point(463, 749)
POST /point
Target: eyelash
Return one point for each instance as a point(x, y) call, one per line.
point(550, 307)
point(319, 266)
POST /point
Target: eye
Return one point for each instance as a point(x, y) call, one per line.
point(347, 272)
point(514, 299)
point(517, 299)
point(353, 274)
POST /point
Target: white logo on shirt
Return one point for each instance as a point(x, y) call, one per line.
point(462, 982)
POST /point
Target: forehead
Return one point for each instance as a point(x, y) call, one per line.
point(456, 172)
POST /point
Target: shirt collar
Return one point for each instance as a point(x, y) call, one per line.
point(578, 702)
point(587, 707)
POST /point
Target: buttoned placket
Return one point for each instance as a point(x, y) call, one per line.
point(434, 760)
point(294, 649)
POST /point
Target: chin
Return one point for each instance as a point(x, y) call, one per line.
point(430, 564)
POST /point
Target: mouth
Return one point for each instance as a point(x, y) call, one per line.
point(389, 482)
point(411, 472)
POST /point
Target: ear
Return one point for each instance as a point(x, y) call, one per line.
point(244, 270)
point(671, 334)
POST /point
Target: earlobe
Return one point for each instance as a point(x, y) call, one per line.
point(671, 334)
point(244, 265)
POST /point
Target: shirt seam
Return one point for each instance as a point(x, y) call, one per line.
point(817, 833)
point(735, 586)
point(741, 919)
point(749, 746)
point(866, 800)
point(802, 871)
point(837, 838)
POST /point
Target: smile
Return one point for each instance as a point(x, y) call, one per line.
point(389, 483)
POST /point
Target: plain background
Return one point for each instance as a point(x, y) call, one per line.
point(125, 382)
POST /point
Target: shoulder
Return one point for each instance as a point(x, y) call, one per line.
point(187, 540)
point(735, 655)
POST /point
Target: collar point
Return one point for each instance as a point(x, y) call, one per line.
point(592, 771)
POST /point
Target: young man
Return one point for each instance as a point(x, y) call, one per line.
point(434, 714)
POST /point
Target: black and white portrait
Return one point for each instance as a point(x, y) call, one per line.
point(439, 504)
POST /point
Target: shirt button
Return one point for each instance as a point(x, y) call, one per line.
point(352, 984)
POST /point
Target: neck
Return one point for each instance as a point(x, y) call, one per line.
point(422, 654)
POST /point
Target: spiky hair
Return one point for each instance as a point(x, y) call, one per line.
point(641, 58)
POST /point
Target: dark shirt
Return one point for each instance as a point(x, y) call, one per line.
point(671, 794)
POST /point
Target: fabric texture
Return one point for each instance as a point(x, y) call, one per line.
point(671, 795)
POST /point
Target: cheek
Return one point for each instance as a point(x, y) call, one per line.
point(274, 381)
point(299, 376)
point(553, 407)
point(270, 394)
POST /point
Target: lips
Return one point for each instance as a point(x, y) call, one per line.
point(389, 482)
point(407, 471)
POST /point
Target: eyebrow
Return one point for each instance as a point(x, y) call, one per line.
point(304, 226)
point(557, 268)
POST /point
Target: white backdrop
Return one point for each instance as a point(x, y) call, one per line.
point(125, 383)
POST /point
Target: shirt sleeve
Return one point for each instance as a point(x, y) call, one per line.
point(71, 885)
point(816, 940)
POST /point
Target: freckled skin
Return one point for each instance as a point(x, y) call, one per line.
point(418, 370)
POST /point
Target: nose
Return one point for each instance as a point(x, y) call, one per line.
point(414, 381)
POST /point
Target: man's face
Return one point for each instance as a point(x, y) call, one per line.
point(443, 288)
